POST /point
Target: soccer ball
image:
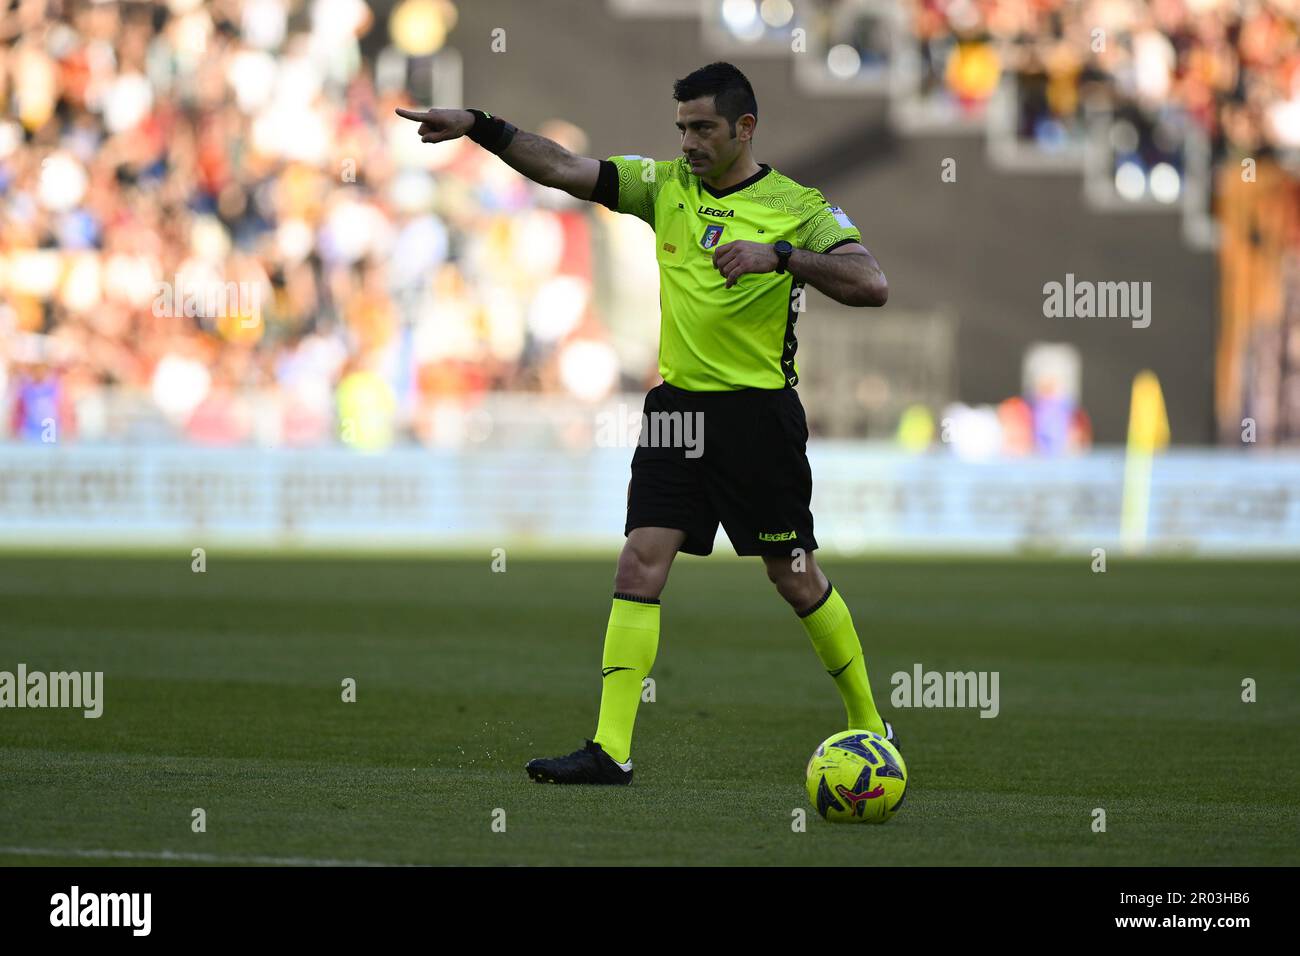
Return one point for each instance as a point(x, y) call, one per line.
point(857, 777)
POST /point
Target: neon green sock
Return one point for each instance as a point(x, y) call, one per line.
point(830, 626)
point(631, 640)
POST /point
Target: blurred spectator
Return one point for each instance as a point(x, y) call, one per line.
point(40, 411)
point(1017, 420)
point(366, 410)
point(1053, 414)
point(915, 428)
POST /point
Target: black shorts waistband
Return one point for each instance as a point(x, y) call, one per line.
point(721, 394)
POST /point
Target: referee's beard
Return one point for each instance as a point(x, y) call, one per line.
point(714, 169)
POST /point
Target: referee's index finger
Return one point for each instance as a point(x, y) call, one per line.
point(419, 115)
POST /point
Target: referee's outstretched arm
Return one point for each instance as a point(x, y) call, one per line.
point(848, 274)
point(542, 160)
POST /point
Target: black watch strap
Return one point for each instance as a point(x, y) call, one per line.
point(783, 252)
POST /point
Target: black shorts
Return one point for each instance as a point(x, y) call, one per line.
point(739, 458)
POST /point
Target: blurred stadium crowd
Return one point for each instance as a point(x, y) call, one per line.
point(1230, 66)
point(200, 203)
point(211, 225)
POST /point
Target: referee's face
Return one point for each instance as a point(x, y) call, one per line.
point(706, 137)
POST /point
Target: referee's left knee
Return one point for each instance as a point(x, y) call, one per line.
point(800, 587)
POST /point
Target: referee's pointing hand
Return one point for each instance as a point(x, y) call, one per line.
point(437, 126)
point(740, 257)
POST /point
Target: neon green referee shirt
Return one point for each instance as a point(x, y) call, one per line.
point(712, 338)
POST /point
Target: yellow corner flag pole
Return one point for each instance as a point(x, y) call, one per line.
point(1148, 431)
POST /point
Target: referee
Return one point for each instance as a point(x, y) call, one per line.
point(736, 242)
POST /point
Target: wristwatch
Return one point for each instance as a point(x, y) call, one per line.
point(783, 251)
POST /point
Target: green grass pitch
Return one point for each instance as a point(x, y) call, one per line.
point(223, 692)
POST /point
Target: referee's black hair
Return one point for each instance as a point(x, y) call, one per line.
point(733, 97)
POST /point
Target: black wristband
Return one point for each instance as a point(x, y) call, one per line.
point(491, 132)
